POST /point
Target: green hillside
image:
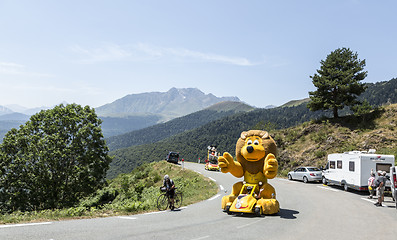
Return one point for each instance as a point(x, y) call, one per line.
point(161, 131)
point(230, 106)
point(310, 143)
point(304, 144)
point(130, 193)
point(112, 126)
point(224, 132)
point(381, 92)
point(294, 103)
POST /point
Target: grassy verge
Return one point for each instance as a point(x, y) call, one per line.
point(131, 193)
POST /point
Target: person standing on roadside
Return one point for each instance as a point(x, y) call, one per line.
point(170, 187)
point(380, 187)
point(371, 185)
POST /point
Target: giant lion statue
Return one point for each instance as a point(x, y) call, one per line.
point(256, 162)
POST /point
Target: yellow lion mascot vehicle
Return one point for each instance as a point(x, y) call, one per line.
point(256, 162)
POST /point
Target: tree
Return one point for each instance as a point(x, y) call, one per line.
point(362, 109)
point(55, 159)
point(338, 81)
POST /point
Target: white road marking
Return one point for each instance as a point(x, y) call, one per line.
point(372, 201)
point(368, 200)
point(197, 172)
point(212, 179)
point(286, 180)
point(214, 197)
point(25, 224)
point(204, 237)
point(328, 188)
point(221, 187)
point(164, 211)
point(126, 217)
point(150, 213)
point(246, 225)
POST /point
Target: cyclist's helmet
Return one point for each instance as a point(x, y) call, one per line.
point(166, 177)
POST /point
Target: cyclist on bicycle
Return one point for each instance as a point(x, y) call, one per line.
point(170, 187)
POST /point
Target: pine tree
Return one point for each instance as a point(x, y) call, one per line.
point(338, 81)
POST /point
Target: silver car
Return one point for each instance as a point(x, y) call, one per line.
point(306, 174)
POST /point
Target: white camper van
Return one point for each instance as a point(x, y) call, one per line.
point(393, 184)
point(352, 169)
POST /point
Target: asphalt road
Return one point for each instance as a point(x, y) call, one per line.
point(307, 211)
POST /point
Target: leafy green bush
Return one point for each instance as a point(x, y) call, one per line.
point(52, 161)
point(101, 197)
point(128, 193)
point(320, 153)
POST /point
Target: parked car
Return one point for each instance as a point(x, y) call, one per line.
point(172, 157)
point(306, 174)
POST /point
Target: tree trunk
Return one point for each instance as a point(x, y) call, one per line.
point(336, 113)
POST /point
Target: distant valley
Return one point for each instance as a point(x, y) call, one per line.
point(192, 144)
point(129, 113)
point(178, 125)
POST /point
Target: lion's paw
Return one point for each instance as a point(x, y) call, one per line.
point(227, 199)
point(269, 206)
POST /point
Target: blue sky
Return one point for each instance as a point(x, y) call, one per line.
point(94, 52)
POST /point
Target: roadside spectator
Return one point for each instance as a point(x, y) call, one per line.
point(371, 185)
point(170, 187)
point(380, 187)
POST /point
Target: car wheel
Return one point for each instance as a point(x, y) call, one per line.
point(227, 210)
point(258, 211)
point(345, 187)
point(289, 177)
point(305, 180)
point(325, 181)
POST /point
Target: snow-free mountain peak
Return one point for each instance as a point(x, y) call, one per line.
point(173, 103)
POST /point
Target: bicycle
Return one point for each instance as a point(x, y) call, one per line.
point(164, 201)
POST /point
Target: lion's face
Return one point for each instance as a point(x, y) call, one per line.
point(253, 146)
point(253, 149)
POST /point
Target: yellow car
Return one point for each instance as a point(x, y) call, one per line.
point(211, 166)
point(211, 163)
point(245, 201)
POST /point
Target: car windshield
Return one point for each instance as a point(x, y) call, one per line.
point(314, 169)
point(214, 161)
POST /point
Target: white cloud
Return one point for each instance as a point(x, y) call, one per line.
point(211, 57)
point(10, 68)
point(195, 55)
point(105, 53)
point(149, 50)
point(146, 52)
point(47, 93)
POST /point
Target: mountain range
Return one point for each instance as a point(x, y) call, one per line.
point(224, 131)
point(174, 103)
point(175, 126)
point(129, 113)
point(144, 127)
